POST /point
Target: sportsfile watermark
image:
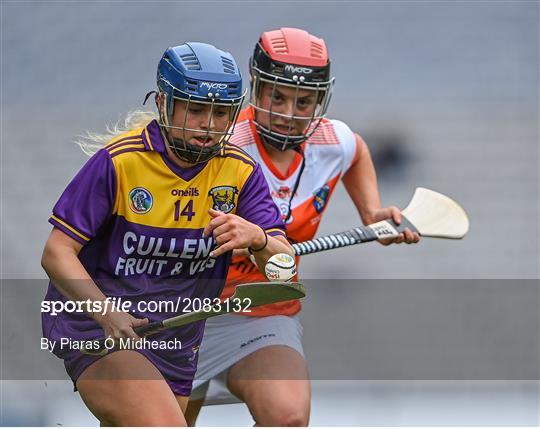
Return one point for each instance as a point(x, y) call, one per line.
point(356, 329)
point(68, 343)
point(180, 305)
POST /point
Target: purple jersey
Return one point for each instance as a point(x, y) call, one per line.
point(140, 220)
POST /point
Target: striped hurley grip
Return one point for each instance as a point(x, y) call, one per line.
point(361, 234)
point(335, 241)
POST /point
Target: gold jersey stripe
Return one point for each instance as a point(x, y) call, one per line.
point(148, 139)
point(124, 140)
point(128, 146)
point(235, 148)
point(242, 155)
point(73, 230)
point(275, 230)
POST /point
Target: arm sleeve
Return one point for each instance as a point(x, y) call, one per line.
point(87, 202)
point(256, 205)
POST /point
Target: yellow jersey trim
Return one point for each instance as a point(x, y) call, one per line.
point(113, 144)
point(128, 146)
point(239, 153)
point(148, 139)
point(73, 230)
point(275, 230)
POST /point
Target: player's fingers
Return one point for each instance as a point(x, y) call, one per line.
point(396, 214)
point(224, 238)
point(222, 229)
point(215, 213)
point(207, 230)
point(122, 332)
point(410, 237)
point(139, 322)
point(136, 323)
point(227, 247)
point(214, 223)
point(128, 332)
point(399, 239)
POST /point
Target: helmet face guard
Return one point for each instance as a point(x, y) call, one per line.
point(193, 153)
point(266, 70)
point(200, 75)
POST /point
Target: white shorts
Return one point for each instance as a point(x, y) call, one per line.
point(228, 339)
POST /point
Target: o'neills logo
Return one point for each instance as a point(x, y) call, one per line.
point(190, 192)
point(140, 200)
point(213, 85)
point(301, 70)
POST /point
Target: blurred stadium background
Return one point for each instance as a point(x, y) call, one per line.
point(446, 95)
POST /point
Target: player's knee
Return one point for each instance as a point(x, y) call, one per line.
point(289, 416)
point(293, 420)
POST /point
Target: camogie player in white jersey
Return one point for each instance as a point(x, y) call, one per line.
point(258, 357)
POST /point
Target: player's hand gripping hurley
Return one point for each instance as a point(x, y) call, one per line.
point(429, 213)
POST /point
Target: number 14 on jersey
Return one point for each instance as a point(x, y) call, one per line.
point(186, 211)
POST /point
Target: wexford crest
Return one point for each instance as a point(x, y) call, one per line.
point(223, 198)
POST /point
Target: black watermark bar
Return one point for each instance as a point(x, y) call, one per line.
point(366, 329)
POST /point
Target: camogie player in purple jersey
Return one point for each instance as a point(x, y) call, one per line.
point(139, 225)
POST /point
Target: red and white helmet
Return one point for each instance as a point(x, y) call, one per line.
point(294, 58)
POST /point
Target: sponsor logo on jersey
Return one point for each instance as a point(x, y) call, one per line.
point(282, 193)
point(190, 192)
point(140, 200)
point(223, 198)
point(321, 197)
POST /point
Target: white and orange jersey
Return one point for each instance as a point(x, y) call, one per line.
point(330, 151)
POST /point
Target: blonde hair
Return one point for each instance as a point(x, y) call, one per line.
point(90, 142)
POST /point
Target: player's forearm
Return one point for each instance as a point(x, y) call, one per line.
point(361, 184)
point(68, 275)
point(278, 244)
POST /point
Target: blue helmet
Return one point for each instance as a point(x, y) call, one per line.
point(202, 74)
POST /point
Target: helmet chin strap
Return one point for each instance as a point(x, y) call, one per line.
point(147, 96)
point(280, 144)
point(296, 182)
point(299, 149)
point(186, 152)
